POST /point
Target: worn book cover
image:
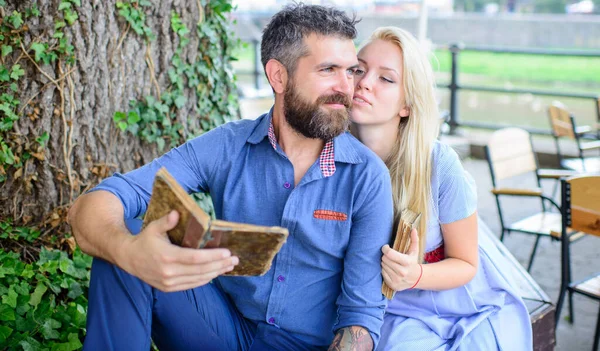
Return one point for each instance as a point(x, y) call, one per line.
point(408, 221)
point(256, 246)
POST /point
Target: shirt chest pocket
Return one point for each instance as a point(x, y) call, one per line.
point(330, 232)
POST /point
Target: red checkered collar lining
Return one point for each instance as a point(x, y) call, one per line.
point(326, 159)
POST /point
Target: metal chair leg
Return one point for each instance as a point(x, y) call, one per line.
point(537, 240)
point(571, 313)
point(597, 335)
point(559, 303)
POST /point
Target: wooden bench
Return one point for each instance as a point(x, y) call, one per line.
point(541, 309)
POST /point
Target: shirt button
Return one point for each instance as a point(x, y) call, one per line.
point(287, 185)
point(272, 320)
point(280, 278)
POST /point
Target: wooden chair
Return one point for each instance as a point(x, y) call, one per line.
point(580, 210)
point(509, 153)
point(563, 126)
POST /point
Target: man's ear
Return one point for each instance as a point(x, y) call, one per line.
point(277, 75)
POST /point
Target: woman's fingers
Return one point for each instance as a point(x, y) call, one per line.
point(397, 257)
point(413, 250)
point(394, 268)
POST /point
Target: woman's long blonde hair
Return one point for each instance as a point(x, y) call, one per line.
point(410, 162)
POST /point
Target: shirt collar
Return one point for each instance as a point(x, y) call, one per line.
point(341, 148)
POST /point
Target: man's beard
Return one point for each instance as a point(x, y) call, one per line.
point(312, 119)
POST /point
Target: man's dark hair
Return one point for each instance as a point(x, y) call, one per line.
point(282, 38)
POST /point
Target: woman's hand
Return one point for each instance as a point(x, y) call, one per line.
point(401, 271)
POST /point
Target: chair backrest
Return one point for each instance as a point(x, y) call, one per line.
point(510, 153)
point(560, 120)
point(581, 203)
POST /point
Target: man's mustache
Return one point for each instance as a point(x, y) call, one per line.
point(335, 99)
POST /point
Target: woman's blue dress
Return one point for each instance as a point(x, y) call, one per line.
point(485, 314)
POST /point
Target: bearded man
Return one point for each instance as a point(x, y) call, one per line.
point(294, 167)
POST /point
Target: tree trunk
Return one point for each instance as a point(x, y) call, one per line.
point(75, 103)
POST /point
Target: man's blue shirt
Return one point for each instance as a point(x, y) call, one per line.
point(328, 273)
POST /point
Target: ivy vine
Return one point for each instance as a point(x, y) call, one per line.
point(210, 78)
point(15, 149)
point(42, 291)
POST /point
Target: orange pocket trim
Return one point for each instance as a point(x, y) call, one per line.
point(330, 215)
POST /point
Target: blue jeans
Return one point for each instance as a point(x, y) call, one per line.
point(125, 313)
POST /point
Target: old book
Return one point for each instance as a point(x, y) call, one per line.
point(256, 246)
point(408, 221)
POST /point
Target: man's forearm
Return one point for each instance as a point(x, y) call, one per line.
point(352, 338)
point(97, 222)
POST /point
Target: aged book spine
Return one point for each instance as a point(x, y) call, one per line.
point(408, 221)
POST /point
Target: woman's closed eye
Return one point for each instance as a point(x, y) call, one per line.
point(387, 80)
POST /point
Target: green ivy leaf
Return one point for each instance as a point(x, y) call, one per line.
point(27, 272)
point(180, 101)
point(24, 324)
point(76, 2)
point(4, 74)
point(64, 5)
point(22, 306)
point(49, 329)
point(48, 256)
point(30, 344)
point(161, 144)
point(72, 345)
point(4, 333)
point(7, 313)
point(43, 139)
point(17, 72)
point(75, 290)
point(22, 289)
point(133, 118)
point(14, 87)
point(4, 271)
point(10, 298)
point(33, 11)
point(119, 116)
point(36, 297)
point(6, 49)
point(40, 50)
point(16, 19)
point(71, 16)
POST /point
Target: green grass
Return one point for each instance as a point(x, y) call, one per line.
point(523, 67)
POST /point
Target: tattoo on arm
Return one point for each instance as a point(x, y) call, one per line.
point(352, 339)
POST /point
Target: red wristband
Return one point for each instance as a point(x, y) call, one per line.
point(419, 279)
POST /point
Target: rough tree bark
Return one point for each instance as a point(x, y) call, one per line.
point(110, 69)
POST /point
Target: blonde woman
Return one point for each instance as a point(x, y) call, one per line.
point(451, 291)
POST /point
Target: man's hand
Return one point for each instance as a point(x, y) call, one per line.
point(401, 271)
point(352, 338)
point(151, 257)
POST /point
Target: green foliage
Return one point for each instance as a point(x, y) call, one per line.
point(11, 70)
point(133, 12)
point(210, 78)
point(42, 304)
